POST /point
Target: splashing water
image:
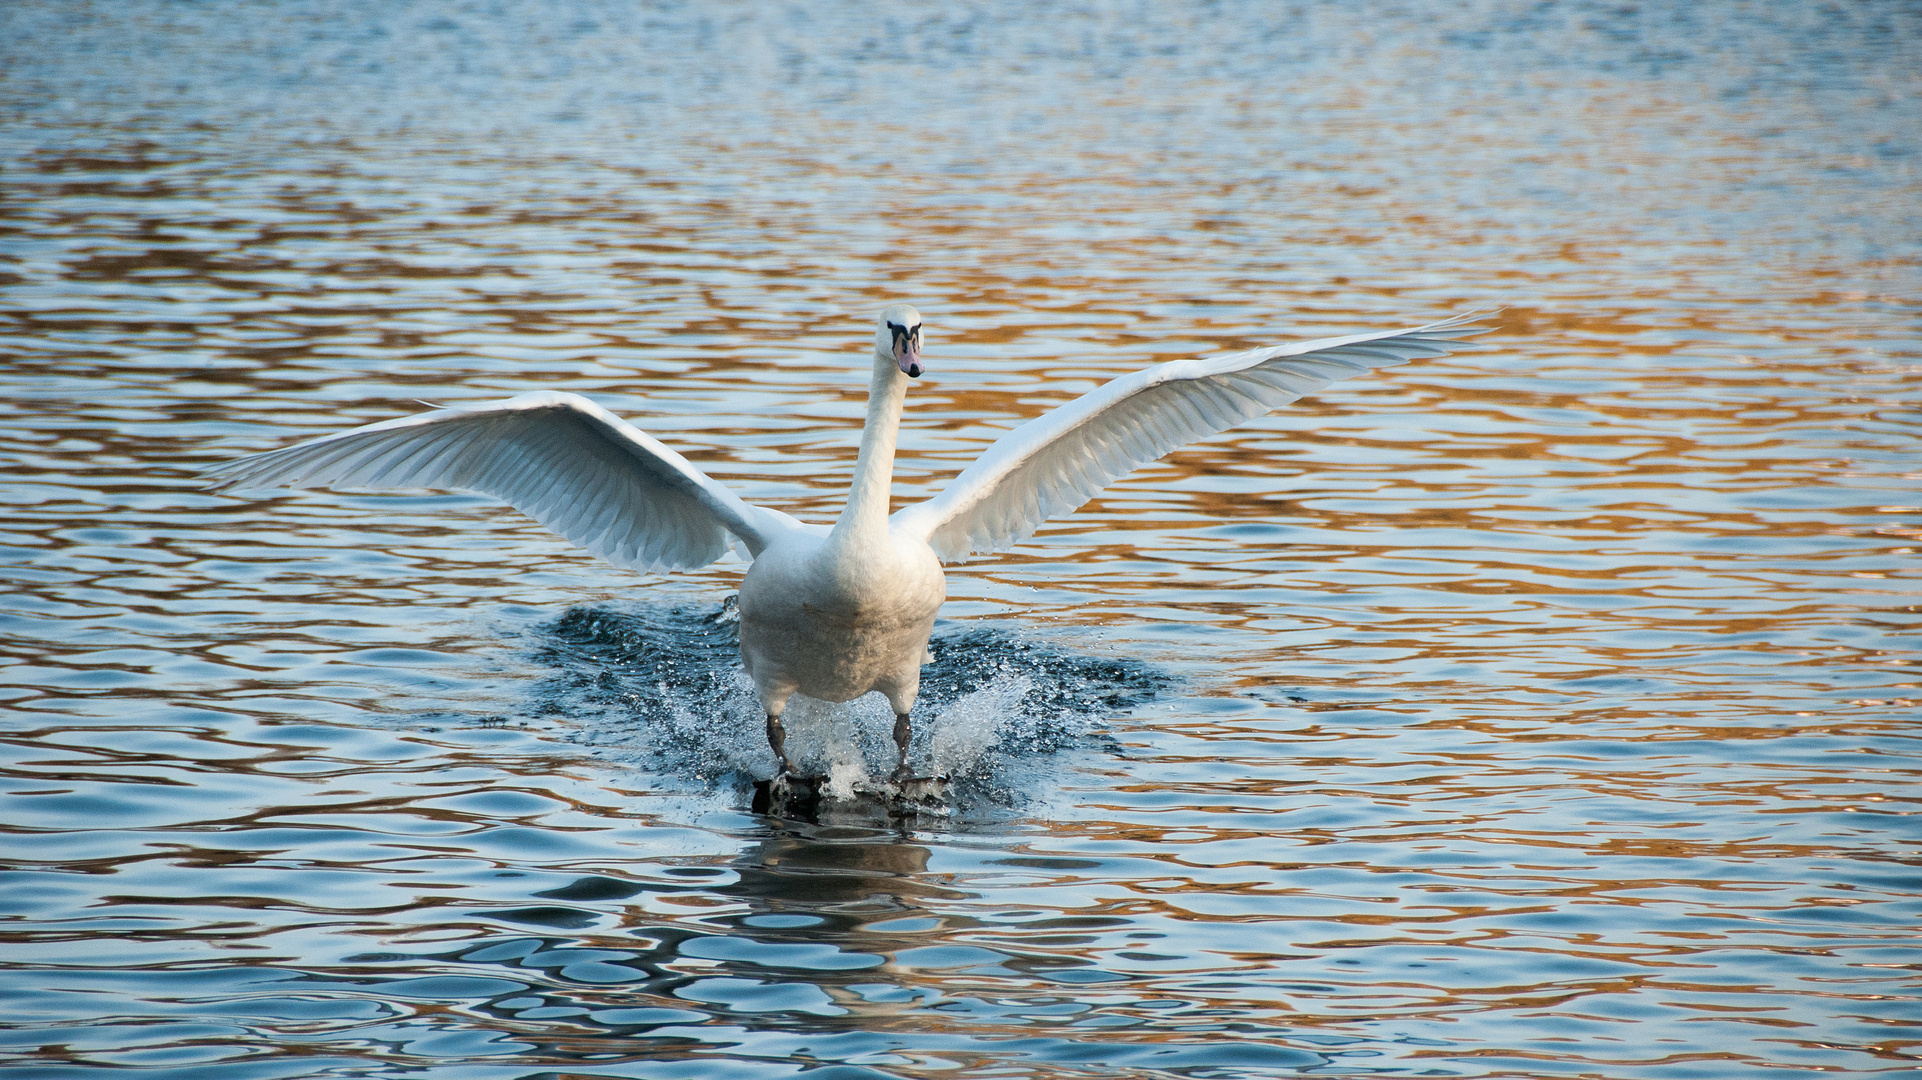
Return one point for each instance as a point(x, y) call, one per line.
point(661, 687)
point(973, 725)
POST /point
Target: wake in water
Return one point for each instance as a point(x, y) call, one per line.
point(662, 687)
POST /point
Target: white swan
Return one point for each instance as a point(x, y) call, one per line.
point(832, 613)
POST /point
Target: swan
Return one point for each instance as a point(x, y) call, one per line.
point(831, 612)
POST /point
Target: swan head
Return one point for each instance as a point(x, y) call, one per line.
point(898, 339)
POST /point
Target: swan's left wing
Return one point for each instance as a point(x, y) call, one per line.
point(1058, 461)
point(558, 458)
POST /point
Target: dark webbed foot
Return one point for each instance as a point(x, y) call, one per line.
point(914, 793)
point(788, 795)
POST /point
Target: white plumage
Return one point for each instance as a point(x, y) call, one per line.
point(1057, 462)
point(837, 612)
point(558, 458)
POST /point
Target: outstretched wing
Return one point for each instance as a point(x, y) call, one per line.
point(1058, 461)
point(558, 458)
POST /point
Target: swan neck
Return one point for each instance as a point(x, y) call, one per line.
point(866, 514)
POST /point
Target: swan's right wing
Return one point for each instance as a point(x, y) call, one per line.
point(558, 458)
point(1058, 461)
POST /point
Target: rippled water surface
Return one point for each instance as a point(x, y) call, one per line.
point(1545, 710)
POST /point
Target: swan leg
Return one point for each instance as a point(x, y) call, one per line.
point(902, 733)
point(785, 794)
point(777, 741)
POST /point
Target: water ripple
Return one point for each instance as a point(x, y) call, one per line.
point(1544, 710)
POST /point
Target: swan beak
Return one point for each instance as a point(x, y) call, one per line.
point(910, 362)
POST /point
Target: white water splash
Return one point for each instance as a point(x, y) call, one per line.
point(969, 727)
point(662, 693)
point(704, 736)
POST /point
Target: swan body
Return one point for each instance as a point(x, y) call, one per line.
point(837, 612)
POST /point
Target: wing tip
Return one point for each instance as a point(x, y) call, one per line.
point(241, 474)
point(1465, 324)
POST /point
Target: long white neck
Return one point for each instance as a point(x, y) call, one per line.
point(866, 514)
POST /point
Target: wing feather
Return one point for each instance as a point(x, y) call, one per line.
point(559, 458)
point(1059, 461)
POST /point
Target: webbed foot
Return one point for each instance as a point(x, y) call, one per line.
point(788, 795)
point(915, 793)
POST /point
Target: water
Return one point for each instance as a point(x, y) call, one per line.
point(1546, 710)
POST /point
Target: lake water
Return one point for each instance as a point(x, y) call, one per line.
point(1545, 710)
